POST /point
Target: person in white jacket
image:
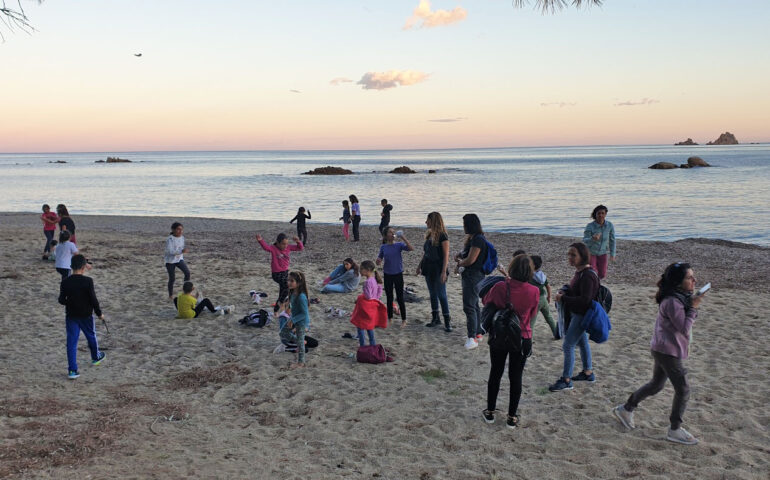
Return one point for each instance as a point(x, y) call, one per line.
point(174, 256)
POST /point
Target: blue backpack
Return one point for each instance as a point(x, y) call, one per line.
point(490, 263)
point(597, 323)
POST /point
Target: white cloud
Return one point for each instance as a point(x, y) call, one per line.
point(436, 18)
point(391, 79)
point(631, 103)
point(558, 104)
point(294, 91)
point(338, 80)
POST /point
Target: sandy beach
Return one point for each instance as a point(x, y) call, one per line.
point(207, 398)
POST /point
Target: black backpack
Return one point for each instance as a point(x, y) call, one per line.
point(603, 296)
point(503, 326)
point(259, 319)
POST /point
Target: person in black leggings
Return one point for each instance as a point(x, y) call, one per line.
point(390, 253)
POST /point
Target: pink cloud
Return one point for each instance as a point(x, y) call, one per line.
point(436, 18)
point(391, 79)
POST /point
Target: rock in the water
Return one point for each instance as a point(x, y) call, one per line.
point(431, 171)
point(57, 161)
point(726, 138)
point(686, 142)
point(684, 165)
point(663, 166)
point(403, 169)
point(114, 160)
point(696, 162)
point(329, 170)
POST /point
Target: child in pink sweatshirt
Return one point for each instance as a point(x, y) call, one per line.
point(279, 263)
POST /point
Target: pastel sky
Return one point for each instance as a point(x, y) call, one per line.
point(364, 74)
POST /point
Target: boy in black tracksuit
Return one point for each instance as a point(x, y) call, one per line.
point(301, 230)
point(76, 292)
point(385, 220)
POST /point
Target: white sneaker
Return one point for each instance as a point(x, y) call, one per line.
point(219, 310)
point(624, 416)
point(280, 348)
point(471, 344)
point(680, 435)
point(230, 309)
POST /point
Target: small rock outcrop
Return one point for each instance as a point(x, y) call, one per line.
point(686, 142)
point(663, 166)
point(329, 170)
point(57, 161)
point(697, 162)
point(402, 169)
point(431, 171)
point(114, 160)
point(726, 138)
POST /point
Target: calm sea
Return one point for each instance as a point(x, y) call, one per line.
point(536, 190)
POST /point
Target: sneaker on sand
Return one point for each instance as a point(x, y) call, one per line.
point(680, 435)
point(72, 375)
point(99, 357)
point(582, 377)
point(512, 421)
point(560, 385)
point(479, 338)
point(624, 416)
point(471, 344)
point(280, 348)
point(489, 416)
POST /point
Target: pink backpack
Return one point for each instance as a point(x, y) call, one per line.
point(373, 354)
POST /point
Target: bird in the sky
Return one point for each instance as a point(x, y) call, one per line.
point(137, 54)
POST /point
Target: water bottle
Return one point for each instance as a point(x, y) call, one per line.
point(400, 234)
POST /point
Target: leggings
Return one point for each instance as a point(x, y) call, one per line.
point(671, 368)
point(516, 361)
point(356, 221)
point(345, 228)
point(599, 263)
point(170, 267)
point(282, 279)
point(48, 237)
point(302, 234)
point(396, 281)
point(205, 303)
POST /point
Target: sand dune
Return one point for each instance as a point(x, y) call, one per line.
point(207, 398)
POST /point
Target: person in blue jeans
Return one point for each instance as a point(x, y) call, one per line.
point(434, 266)
point(577, 299)
point(343, 279)
point(76, 293)
point(470, 264)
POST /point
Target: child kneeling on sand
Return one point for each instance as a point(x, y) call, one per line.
point(76, 293)
point(188, 306)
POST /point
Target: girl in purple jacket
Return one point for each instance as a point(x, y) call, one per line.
point(670, 345)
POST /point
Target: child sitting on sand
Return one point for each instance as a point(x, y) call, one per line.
point(343, 279)
point(300, 217)
point(369, 311)
point(293, 329)
point(188, 306)
point(279, 263)
point(540, 280)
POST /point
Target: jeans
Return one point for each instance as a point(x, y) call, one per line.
point(599, 263)
point(437, 292)
point(356, 222)
point(665, 367)
point(334, 288)
point(575, 335)
point(470, 285)
point(170, 268)
point(360, 332)
point(395, 281)
point(516, 361)
point(48, 237)
point(74, 327)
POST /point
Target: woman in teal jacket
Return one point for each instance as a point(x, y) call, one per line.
point(599, 237)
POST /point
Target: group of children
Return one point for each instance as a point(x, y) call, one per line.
point(351, 214)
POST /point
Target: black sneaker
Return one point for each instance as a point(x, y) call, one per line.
point(512, 421)
point(489, 416)
point(560, 385)
point(582, 377)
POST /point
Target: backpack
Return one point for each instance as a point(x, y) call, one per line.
point(373, 354)
point(259, 319)
point(603, 296)
point(504, 328)
point(597, 323)
point(490, 263)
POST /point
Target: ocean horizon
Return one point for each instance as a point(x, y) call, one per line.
point(547, 190)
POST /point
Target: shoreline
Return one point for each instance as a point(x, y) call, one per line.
point(696, 240)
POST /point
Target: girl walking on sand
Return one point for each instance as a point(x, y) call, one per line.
point(66, 222)
point(599, 237)
point(174, 256)
point(49, 220)
point(390, 252)
point(279, 263)
point(670, 346)
point(345, 220)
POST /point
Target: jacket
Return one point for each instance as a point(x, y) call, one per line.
point(671, 335)
point(607, 242)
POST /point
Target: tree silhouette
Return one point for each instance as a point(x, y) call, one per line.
point(550, 6)
point(14, 17)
